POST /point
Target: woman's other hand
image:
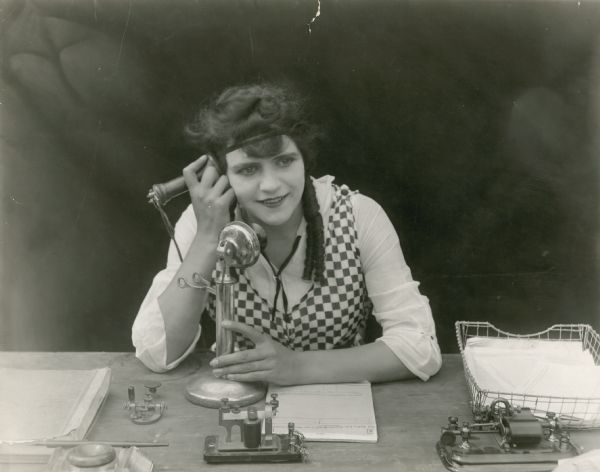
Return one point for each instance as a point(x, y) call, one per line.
point(268, 361)
point(211, 196)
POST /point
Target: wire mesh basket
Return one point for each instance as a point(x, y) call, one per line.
point(575, 412)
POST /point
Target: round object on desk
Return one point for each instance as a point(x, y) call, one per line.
point(91, 455)
point(206, 390)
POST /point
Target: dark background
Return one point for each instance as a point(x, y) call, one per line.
point(474, 123)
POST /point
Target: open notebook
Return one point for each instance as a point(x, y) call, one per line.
point(327, 412)
point(49, 404)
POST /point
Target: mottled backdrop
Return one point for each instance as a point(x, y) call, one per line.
point(474, 124)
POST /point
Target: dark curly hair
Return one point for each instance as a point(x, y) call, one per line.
point(242, 113)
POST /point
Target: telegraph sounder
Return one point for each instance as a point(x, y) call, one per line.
point(253, 444)
point(506, 438)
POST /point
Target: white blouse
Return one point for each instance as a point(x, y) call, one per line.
point(403, 313)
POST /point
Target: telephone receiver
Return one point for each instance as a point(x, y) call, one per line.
point(160, 194)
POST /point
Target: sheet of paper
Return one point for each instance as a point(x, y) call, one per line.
point(47, 404)
point(559, 351)
point(327, 412)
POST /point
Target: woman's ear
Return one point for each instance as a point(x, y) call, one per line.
point(232, 210)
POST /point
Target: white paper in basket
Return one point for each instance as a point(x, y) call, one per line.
point(535, 367)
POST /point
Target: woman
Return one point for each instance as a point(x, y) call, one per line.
point(332, 258)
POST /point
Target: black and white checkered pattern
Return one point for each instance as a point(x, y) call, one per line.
point(328, 316)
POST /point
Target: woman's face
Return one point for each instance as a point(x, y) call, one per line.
point(268, 188)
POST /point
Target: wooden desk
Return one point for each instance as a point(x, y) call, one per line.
point(409, 416)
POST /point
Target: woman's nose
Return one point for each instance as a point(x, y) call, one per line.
point(269, 182)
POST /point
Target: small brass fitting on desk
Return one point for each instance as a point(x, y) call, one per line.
point(147, 411)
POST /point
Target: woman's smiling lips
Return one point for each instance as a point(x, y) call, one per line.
point(273, 202)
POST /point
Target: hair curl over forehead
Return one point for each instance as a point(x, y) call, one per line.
point(243, 112)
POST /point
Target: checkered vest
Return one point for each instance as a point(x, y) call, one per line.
point(328, 316)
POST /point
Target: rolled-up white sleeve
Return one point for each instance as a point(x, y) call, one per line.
point(403, 313)
point(148, 331)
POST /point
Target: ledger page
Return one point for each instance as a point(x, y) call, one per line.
point(327, 412)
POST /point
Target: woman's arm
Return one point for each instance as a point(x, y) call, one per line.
point(181, 308)
point(167, 325)
point(271, 362)
point(398, 306)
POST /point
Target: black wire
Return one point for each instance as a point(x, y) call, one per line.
point(279, 285)
point(169, 228)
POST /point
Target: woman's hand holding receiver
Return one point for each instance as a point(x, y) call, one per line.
point(268, 361)
point(211, 196)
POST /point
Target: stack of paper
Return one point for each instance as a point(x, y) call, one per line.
point(538, 368)
point(49, 404)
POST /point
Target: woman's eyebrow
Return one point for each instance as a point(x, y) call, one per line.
point(257, 160)
point(242, 165)
point(286, 154)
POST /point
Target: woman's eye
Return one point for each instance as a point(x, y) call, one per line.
point(285, 161)
point(250, 170)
